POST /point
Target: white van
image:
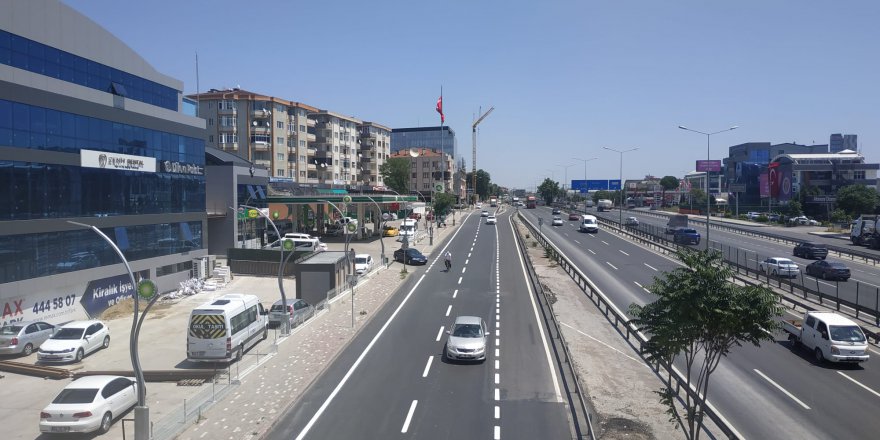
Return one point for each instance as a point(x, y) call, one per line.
point(834, 337)
point(408, 228)
point(589, 224)
point(221, 330)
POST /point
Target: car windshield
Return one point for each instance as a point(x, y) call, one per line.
point(69, 333)
point(847, 333)
point(688, 231)
point(8, 330)
point(467, 331)
point(360, 260)
point(76, 395)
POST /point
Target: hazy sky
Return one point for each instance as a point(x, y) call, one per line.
point(565, 77)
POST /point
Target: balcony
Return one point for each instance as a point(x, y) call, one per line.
point(227, 128)
point(311, 122)
point(229, 146)
point(227, 111)
point(291, 151)
point(262, 162)
point(311, 151)
point(261, 114)
point(312, 167)
point(259, 129)
point(311, 137)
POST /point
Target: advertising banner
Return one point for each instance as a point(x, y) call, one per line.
point(106, 292)
point(764, 184)
point(117, 161)
point(785, 186)
point(774, 179)
point(713, 166)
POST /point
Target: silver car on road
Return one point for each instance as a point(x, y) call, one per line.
point(467, 339)
point(24, 337)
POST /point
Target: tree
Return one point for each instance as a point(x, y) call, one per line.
point(698, 198)
point(699, 315)
point(442, 203)
point(395, 173)
point(857, 200)
point(483, 181)
point(792, 209)
point(549, 190)
point(668, 183)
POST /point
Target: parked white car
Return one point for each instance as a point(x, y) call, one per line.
point(73, 341)
point(782, 267)
point(89, 404)
point(363, 263)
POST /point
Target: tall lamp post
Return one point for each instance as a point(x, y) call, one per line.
point(565, 167)
point(708, 200)
point(585, 176)
point(622, 186)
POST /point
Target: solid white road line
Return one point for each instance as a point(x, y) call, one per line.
point(782, 389)
point(412, 409)
point(624, 253)
point(552, 369)
point(428, 367)
point(651, 267)
point(853, 381)
point(448, 309)
point(440, 334)
point(615, 268)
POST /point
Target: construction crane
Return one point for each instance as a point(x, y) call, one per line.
point(474, 157)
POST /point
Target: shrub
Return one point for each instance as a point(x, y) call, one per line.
point(762, 219)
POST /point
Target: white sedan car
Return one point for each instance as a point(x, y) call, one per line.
point(490, 220)
point(363, 263)
point(782, 267)
point(89, 404)
point(73, 341)
point(557, 221)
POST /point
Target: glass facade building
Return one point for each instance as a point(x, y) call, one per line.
point(77, 144)
point(425, 137)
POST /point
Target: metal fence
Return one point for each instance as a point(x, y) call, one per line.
point(672, 378)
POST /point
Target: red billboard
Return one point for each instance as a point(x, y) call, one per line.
point(709, 165)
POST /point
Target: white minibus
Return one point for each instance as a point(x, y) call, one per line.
point(222, 329)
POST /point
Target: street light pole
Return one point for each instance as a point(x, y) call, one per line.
point(708, 200)
point(585, 176)
point(622, 186)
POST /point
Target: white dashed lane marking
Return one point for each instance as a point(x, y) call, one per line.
point(611, 265)
point(440, 333)
point(650, 267)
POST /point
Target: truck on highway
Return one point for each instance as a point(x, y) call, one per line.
point(864, 231)
point(829, 336)
point(604, 205)
point(676, 222)
point(531, 203)
point(493, 202)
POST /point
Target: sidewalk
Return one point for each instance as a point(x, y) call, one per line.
point(250, 409)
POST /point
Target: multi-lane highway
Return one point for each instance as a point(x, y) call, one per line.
point(766, 392)
point(393, 382)
point(749, 250)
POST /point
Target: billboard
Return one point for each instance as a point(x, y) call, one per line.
point(773, 179)
point(764, 184)
point(709, 165)
point(614, 185)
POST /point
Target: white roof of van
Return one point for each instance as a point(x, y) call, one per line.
point(234, 300)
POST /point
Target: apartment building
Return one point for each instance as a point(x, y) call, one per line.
point(271, 132)
point(373, 150)
point(336, 158)
point(428, 167)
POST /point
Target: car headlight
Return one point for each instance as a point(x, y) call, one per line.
point(835, 350)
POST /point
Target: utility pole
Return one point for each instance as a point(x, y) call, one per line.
point(474, 157)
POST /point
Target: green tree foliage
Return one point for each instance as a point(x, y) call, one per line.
point(549, 190)
point(857, 200)
point(668, 183)
point(792, 209)
point(443, 202)
point(395, 173)
point(483, 182)
point(698, 317)
point(840, 216)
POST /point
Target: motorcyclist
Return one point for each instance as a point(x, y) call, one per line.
point(448, 260)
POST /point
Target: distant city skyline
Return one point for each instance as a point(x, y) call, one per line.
point(566, 78)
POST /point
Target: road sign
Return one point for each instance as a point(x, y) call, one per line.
point(597, 185)
point(346, 199)
point(438, 187)
point(737, 187)
point(614, 184)
point(579, 185)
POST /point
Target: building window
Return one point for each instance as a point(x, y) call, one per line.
point(302, 158)
point(302, 174)
point(302, 128)
point(859, 175)
point(210, 121)
point(279, 140)
point(302, 144)
point(279, 172)
point(426, 185)
point(425, 175)
point(279, 124)
point(228, 138)
point(425, 164)
point(211, 138)
point(414, 175)
point(280, 156)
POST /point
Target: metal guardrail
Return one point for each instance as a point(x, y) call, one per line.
point(673, 380)
point(841, 252)
point(581, 410)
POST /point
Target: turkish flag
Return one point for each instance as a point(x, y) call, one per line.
point(440, 109)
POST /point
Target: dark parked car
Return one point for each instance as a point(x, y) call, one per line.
point(556, 211)
point(811, 250)
point(411, 256)
point(686, 236)
point(828, 270)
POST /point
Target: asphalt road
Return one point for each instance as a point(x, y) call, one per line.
point(392, 381)
point(863, 286)
point(766, 392)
